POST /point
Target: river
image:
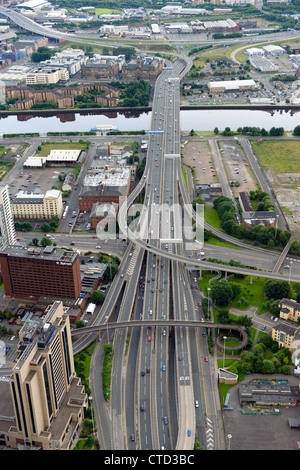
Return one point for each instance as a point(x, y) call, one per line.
point(199, 120)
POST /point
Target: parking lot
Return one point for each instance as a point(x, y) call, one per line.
point(261, 432)
point(198, 156)
point(237, 167)
point(36, 179)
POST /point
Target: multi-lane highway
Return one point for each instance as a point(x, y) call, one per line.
point(156, 382)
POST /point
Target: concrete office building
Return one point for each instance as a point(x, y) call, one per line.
point(71, 59)
point(34, 206)
point(31, 272)
point(48, 399)
point(45, 75)
point(7, 227)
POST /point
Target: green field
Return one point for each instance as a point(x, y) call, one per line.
point(281, 156)
point(106, 11)
point(47, 147)
point(212, 218)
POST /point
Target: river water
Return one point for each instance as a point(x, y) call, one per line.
point(199, 120)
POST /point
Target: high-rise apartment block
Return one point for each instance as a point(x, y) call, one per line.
point(48, 399)
point(32, 272)
point(7, 227)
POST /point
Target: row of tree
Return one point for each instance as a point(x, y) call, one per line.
point(269, 236)
point(264, 201)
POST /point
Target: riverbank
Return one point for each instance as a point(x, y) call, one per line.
point(88, 111)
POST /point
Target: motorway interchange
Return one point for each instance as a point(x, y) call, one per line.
point(157, 381)
point(165, 371)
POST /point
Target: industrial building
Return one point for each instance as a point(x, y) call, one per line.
point(273, 49)
point(65, 156)
point(68, 157)
point(32, 5)
point(231, 85)
point(104, 186)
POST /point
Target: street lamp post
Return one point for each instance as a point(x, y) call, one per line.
point(106, 318)
point(90, 400)
point(291, 264)
point(224, 337)
point(208, 290)
point(276, 227)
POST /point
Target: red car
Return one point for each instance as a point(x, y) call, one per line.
point(149, 338)
point(94, 236)
point(206, 359)
point(199, 304)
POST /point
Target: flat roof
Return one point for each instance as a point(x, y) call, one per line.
point(232, 84)
point(31, 4)
point(64, 155)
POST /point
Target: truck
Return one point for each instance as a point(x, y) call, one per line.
point(90, 308)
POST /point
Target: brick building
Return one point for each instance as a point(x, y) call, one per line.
point(29, 273)
point(104, 186)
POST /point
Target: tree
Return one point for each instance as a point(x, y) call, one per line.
point(45, 241)
point(223, 292)
point(46, 227)
point(268, 367)
point(110, 272)
point(295, 247)
point(97, 297)
point(296, 130)
point(276, 289)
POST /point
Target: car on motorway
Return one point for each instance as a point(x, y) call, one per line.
point(132, 437)
point(143, 373)
point(189, 432)
point(165, 420)
point(179, 358)
point(142, 408)
point(163, 368)
point(196, 404)
point(206, 359)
